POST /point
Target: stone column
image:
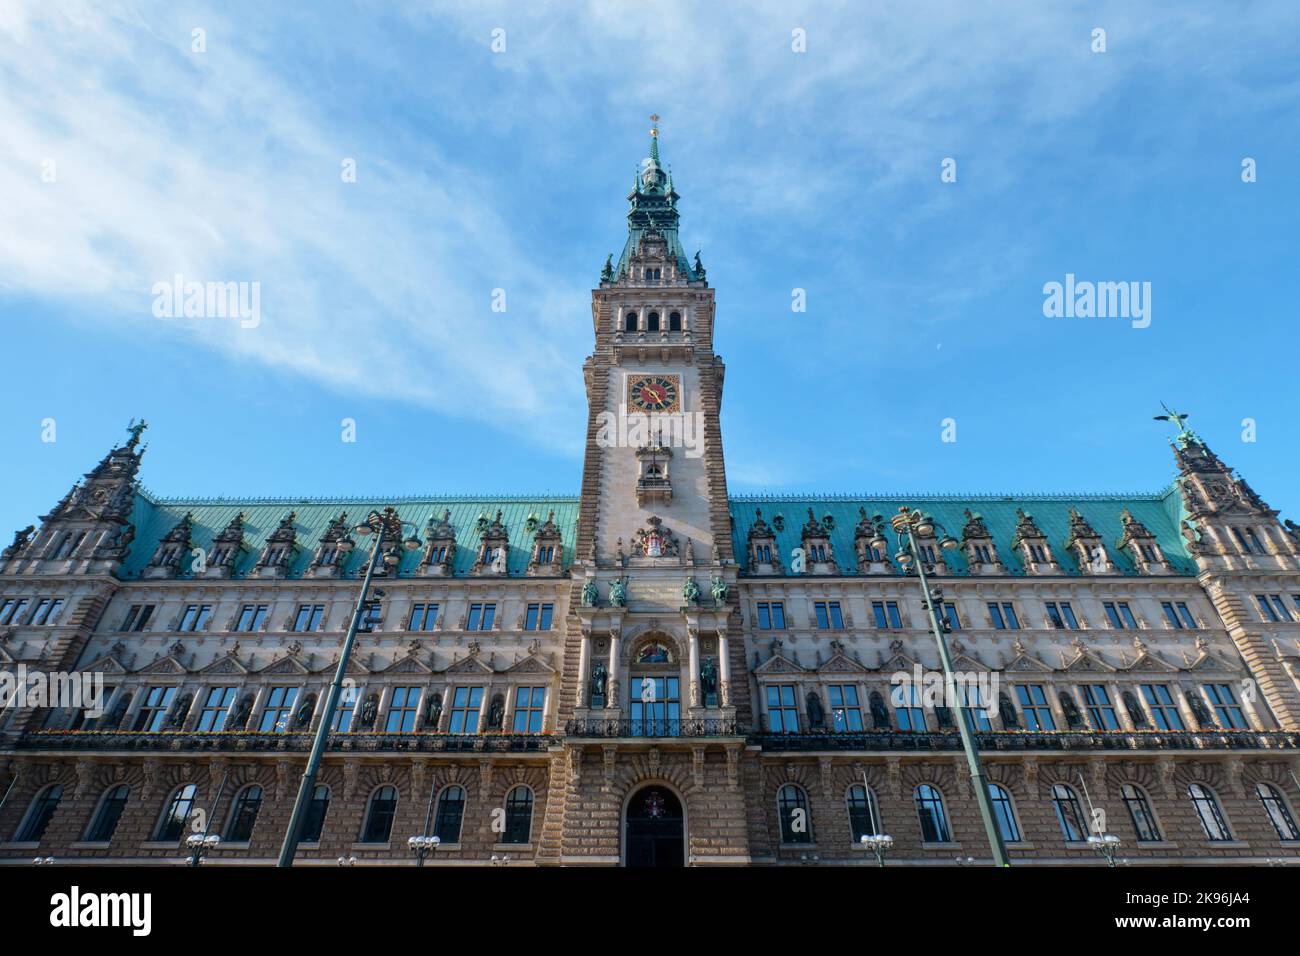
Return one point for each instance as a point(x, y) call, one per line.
point(584, 666)
point(724, 670)
point(613, 683)
point(693, 675)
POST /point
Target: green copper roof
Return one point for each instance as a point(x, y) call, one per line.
point(653, 206)
point(154, 517)
point(1159, 512)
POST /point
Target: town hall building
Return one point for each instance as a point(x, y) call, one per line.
point(654, 672)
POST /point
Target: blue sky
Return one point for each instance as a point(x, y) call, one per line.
point(479, 170)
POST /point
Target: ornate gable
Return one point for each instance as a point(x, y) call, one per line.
point(410, 664)
point(285, 666)
point(532, 664)
point(107, 664)
point(779, 664)
point(469, 665)
point(164, 665)
point(229, 664)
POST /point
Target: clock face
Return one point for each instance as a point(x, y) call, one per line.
point(654, 393)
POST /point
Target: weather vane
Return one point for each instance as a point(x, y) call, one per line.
point(654, 118)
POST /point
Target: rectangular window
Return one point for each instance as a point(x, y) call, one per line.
point(1038, 553)
point(1062, 615)
point(137, 617)
point(828, 615)
point(771, 616)
point(1119, 615)
point(950, 615)
point(465, 705)
point(782, 712)
point(530, 709)
point(1004, 616)
point(846, 714)
point(309, 617)
point(1160, 701)
point(481, 617)
point(886, 613)
point(279, 710)
point(1226, 707)
point(7, 610)
point(538, 617)
point(216, 707)
point(342, 721)
point(424, 617)
point(153, 712)
point(47, 612)
point(1033, 705)
point(195, 617)
point(1101, 712)
point(402, 708)
point(251, 617)
point(906, 698)
point(1178, 616)
point(972, 697)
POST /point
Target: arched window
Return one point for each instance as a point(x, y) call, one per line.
point(104, 822)
point(1069, 814)
point(1279, 814)
point(519, 815)
point(243, 814)
point(1139, 811)
point(792, 811)
point(38, 815)
point(316, 810)
point(929, 810)
point(379, 815)
point(864, 812)
point(629, 322)
point(1004, 813)
point(652, 322)
point(674, 322)
point(178, 810)
point(451, 810)
point(1207, 809)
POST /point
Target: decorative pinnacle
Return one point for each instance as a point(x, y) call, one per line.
point(654, 138)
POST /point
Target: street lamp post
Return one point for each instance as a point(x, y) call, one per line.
point(907, 524)
point(381, 525)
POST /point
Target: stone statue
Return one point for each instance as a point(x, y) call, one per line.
point(590, 595)
point(816, 715)
point(496, 712)
point(690, 552)
point(599, 677)
point(369, 711)
point(709, 679)
point(719, 590)
point(179, 711)
point(20, 542)
point(433, 711)
point(618, 593)
point(303, 717)
point(691, 591)
point(240, 717)
point(499, 561)
point(607, 273)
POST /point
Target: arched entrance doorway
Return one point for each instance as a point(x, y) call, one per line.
point(654, 829)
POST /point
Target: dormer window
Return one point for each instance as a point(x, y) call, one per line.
point(548, 548)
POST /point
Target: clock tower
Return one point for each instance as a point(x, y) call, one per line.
point(654, 575)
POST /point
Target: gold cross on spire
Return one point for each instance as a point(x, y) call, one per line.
point(654, 118)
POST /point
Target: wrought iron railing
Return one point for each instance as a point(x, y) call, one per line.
point(289, 742)
point(691, 727)
point(995, 741)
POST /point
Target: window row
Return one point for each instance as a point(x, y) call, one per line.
point(23, 611)
point(513, 826)
point(632, 321)
point(283, 708)
point(422, 616)
point(789, 708)
point(1002, 615)
point(795, 817)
